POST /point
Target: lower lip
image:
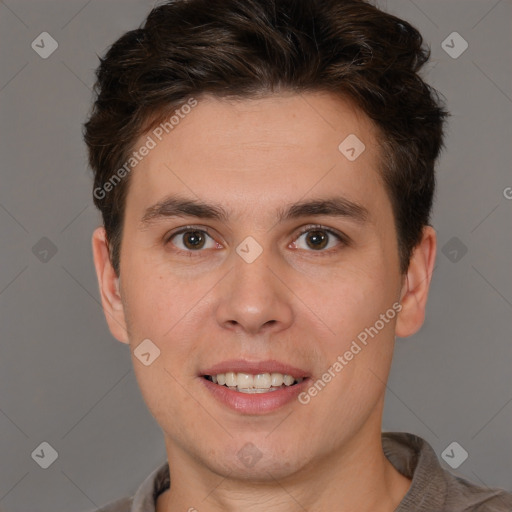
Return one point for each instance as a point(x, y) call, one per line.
point(255, 403)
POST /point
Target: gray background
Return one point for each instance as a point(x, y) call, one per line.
point(66, 381)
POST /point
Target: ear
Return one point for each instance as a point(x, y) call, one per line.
point(414, 293)
point(109, 286)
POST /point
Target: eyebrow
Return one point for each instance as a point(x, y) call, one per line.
point(176, 206)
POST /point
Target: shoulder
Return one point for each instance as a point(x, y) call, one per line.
point(465, 495)
point(119, 505)
point(433, 488)
point(145, 496)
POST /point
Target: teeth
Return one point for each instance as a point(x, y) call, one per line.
point(262, 381)
point(230, 379)
point(248, 383)
point(257, 390)
point(245, 381)
point(277, 379)
point(288, 380)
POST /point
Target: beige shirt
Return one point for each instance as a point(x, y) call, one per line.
point(433, 489)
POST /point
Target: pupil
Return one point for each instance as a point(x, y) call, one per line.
point(195, 238)
point(318, 236)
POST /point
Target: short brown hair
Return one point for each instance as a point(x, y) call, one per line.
point(248, 48)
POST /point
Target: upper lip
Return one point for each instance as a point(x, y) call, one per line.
point(255, 368)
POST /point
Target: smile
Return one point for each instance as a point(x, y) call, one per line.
point(250, 383)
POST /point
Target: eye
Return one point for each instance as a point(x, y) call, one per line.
point(190, 239)
point(319, 238)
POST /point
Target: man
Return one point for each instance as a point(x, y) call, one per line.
point(265, 172)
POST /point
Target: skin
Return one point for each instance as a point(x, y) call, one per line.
point(295, 303)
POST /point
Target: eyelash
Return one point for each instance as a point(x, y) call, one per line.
point(341, 238)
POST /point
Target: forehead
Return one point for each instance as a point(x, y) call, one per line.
point(273, 149)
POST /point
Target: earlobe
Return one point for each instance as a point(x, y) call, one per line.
point(416, 285)
point(109, 286)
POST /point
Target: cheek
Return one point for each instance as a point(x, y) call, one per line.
point(153, 300)
point(354, 297)
point(360, 352)
point(166, 310)
point(165, 398)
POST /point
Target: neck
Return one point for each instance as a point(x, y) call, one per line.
point(359, 477)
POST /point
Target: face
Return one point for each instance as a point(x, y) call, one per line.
point(256, 282)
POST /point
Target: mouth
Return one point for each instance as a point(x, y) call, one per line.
point(254, 388)
point(254, 383)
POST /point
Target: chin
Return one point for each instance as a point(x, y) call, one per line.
point(257, 460)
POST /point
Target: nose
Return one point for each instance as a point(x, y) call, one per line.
point(253, 298)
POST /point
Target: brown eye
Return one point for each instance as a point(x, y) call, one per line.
point(316, 239)
point(191, 240)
